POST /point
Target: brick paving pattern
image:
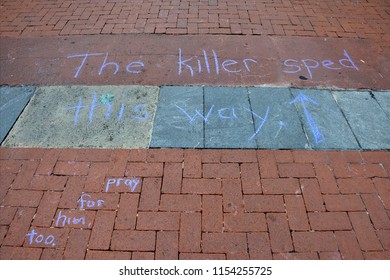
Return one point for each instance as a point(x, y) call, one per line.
point(194, 204)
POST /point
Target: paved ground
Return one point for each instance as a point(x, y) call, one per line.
point(195, 203)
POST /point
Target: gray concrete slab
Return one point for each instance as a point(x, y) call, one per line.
point(324, 123)
point(178, 122)
point(12, 102)
point(368, 121)
point(383, 98)
point(228, 118)
point(106, 116)
point(282, 128)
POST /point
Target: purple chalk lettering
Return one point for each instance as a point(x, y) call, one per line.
point(308, 66)
point(192, 119)
point(31, 235)
point(232, 114)
point(138, 109)
point(246, 64)
point(263, 120)
point(77, 110)
point(287, 64)
point(109, 182)
point(134, 64)
point(229, 62)
point(216, 62)
point(326, 63)
point(85, 56)
point(183, 63)
point(105, 64)
point(349, 61)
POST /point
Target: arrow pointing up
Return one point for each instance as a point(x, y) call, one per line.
point(318, 136)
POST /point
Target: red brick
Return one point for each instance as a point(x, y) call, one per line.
point(192, 164)
point(267, 164)
point(381, 255)
point(180, 203)
point(348, 245)
point(71, 168)
point(107, 255)
point(263, 203)
point(329, 256)
point(20, 253)
point(281, 186)
point(7, 214)
point(211, 156)
point(279, 232)
point(25, 175)
point(52, 254)
point(3, 232)
point(76, 247)
point(297, 170)
point(259, 246)
point(356, 185)
point(329, 221)
point(28, 153)
point(51, 183)
point(164, 155)
point(5, 153)
point(96, 177)
point(212, 214)
point(250, 178)
point(339, 164)
point(283, 156)
point(173, 174)
point(74, 218)
point(47, 209)
point(142, 256)
point(312, 195)
point(158, 221)
point(229, 243)
point(201, 256)
point(375, 156)
point(190, 232)
point(129, 240)
point(238, 156)
point(22, 198)
point(232, 195)
point(93, 155)
point(296, 256)
point(304, 156)
point(150, 194)
point(60, 237)
point(377, 212)
point(202, 186)
point(73, 190)
point(364, 231)
point(221, 170)
point(343, 202)
point(118, 163)
point(326, 178)
point(67, 154)
point(10, 166)
point(353, 156)
point(384, 237)
point(102, 230)
point(383, 187)
point(127, 212)
point(321, 241)
point(167, 245)
point(367, 170)
point(137, 155)
point(48, 162)
point(245, 222)
point(296, 212)
point(154, 169)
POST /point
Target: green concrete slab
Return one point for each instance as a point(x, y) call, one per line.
point(104, 116)
point(368, 121)
point(383, 98)
point(228, 118)
point(282, 128)
point(12, 102)
point(324, 123)
point(178, 122)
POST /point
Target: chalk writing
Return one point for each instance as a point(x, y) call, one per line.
point(134, 67)
point(318, 136)
point(88, 203)
point(63, 220)
point(138, 112)
point(116, 182)
point(201, 64)
point(294, 66)
point(33, 237)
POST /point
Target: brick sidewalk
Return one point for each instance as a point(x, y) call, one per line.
point(186, 204)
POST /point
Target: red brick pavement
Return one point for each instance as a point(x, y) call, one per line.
point(194, 204)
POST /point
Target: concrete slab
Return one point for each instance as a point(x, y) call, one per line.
point(178, 122)
point(325, 125)
point(368, 121)
point(107, 116)
point(383, 98)
point(12, 102)
point(282, 129)
point(228, 118)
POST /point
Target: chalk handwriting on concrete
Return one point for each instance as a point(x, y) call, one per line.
point(33, 237)
point(138, 112)
point(63, 220)
point(318, 136)
point(86, 202)
point(196, 64)
point(116, 182)
point(294, 66)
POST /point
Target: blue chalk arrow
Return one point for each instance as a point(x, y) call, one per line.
point(318, 136)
